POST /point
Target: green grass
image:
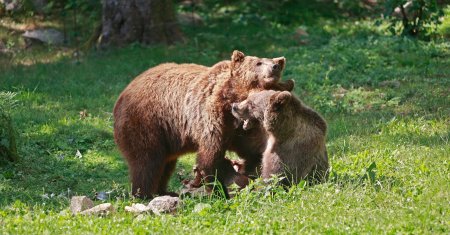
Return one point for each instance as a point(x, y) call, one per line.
point(388, 142)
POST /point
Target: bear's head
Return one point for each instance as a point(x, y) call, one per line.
point(267, 108)
point(258, 72)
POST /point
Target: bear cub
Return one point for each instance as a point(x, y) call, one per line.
point(295, 134)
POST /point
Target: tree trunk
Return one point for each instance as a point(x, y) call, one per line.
point(144, 21)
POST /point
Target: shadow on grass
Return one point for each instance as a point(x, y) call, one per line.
point(67, 160)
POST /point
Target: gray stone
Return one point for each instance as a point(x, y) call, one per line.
point(137, 208)
point(48, 36)
point(80, 203)
point(102, 209)
point(164, 204)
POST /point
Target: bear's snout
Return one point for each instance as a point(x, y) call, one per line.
point(275, 72)
point(234, 107)
point(238, 112)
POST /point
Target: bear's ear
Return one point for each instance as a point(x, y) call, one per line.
point(237, 56)
point(281, 61)
point(280, 99)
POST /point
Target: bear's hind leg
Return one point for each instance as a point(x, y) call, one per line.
point(165, 177)
point(145, 174)
point(214, 167)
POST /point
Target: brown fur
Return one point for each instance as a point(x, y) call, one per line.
point(173, 109)
point(295, 135)
point(199, 175)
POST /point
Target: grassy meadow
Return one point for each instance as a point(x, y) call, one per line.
point(386, 100)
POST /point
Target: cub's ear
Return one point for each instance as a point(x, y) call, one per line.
point(281, 61)
point(279, 100)
point(237, 57)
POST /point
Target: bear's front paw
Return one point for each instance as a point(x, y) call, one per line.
point(287, 85)
point(241, 180)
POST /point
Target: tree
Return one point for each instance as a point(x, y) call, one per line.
point(144, 21)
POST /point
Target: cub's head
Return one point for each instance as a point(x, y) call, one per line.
point(258, 72)
point(268, 108)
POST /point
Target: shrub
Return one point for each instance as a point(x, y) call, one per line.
point(413, 17)
point(444, 28)
point(8, 148)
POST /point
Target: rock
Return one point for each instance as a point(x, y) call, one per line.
point(201, 207)
point(137, 208)
point(102, 209)
point(189, 18)
point(80, 203)
point(164, 204)
point(48, 36)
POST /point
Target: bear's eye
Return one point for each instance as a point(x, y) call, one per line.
point(259, 64)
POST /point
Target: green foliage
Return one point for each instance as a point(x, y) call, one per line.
point(417, 17)
point(444, 28)
point(86, 8)
point(363, 8)
point(285, 12)
point(8, 148)
point(7, 102)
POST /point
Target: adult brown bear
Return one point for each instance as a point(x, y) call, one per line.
point(173, 109)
